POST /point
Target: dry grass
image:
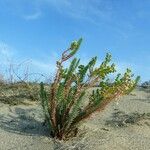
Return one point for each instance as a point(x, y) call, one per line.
point(18, 93)
point(121, 119)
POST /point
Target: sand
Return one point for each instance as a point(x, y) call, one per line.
point(123, 125)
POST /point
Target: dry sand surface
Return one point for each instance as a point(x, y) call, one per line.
point(123, 125)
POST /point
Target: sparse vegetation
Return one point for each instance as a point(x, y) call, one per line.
point(63, 103)
point(2, 80)
point(121, 119)
point(16, 86)
point(19, 92)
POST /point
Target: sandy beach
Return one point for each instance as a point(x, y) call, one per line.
point(123, 125)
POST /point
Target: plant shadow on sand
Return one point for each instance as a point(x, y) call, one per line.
point(29, 122)
point(121, 119)
point(23, 122)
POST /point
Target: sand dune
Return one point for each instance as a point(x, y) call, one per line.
point(123, 125)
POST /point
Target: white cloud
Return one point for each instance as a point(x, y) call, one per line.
point(10, 57)
point(79, 9)
point(85, 9)
point(41, 66)
point(93, 11)
point(33, 16)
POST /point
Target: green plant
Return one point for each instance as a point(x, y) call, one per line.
point(63, 105)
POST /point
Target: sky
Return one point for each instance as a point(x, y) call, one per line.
point(36, 32)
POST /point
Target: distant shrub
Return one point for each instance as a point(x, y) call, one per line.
point(146, 84)
point(2, 80)
point(63, 103)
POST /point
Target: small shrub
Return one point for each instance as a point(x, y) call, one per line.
point(64, 105)
point(146, 84)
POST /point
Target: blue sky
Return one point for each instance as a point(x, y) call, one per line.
point(38, 31)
